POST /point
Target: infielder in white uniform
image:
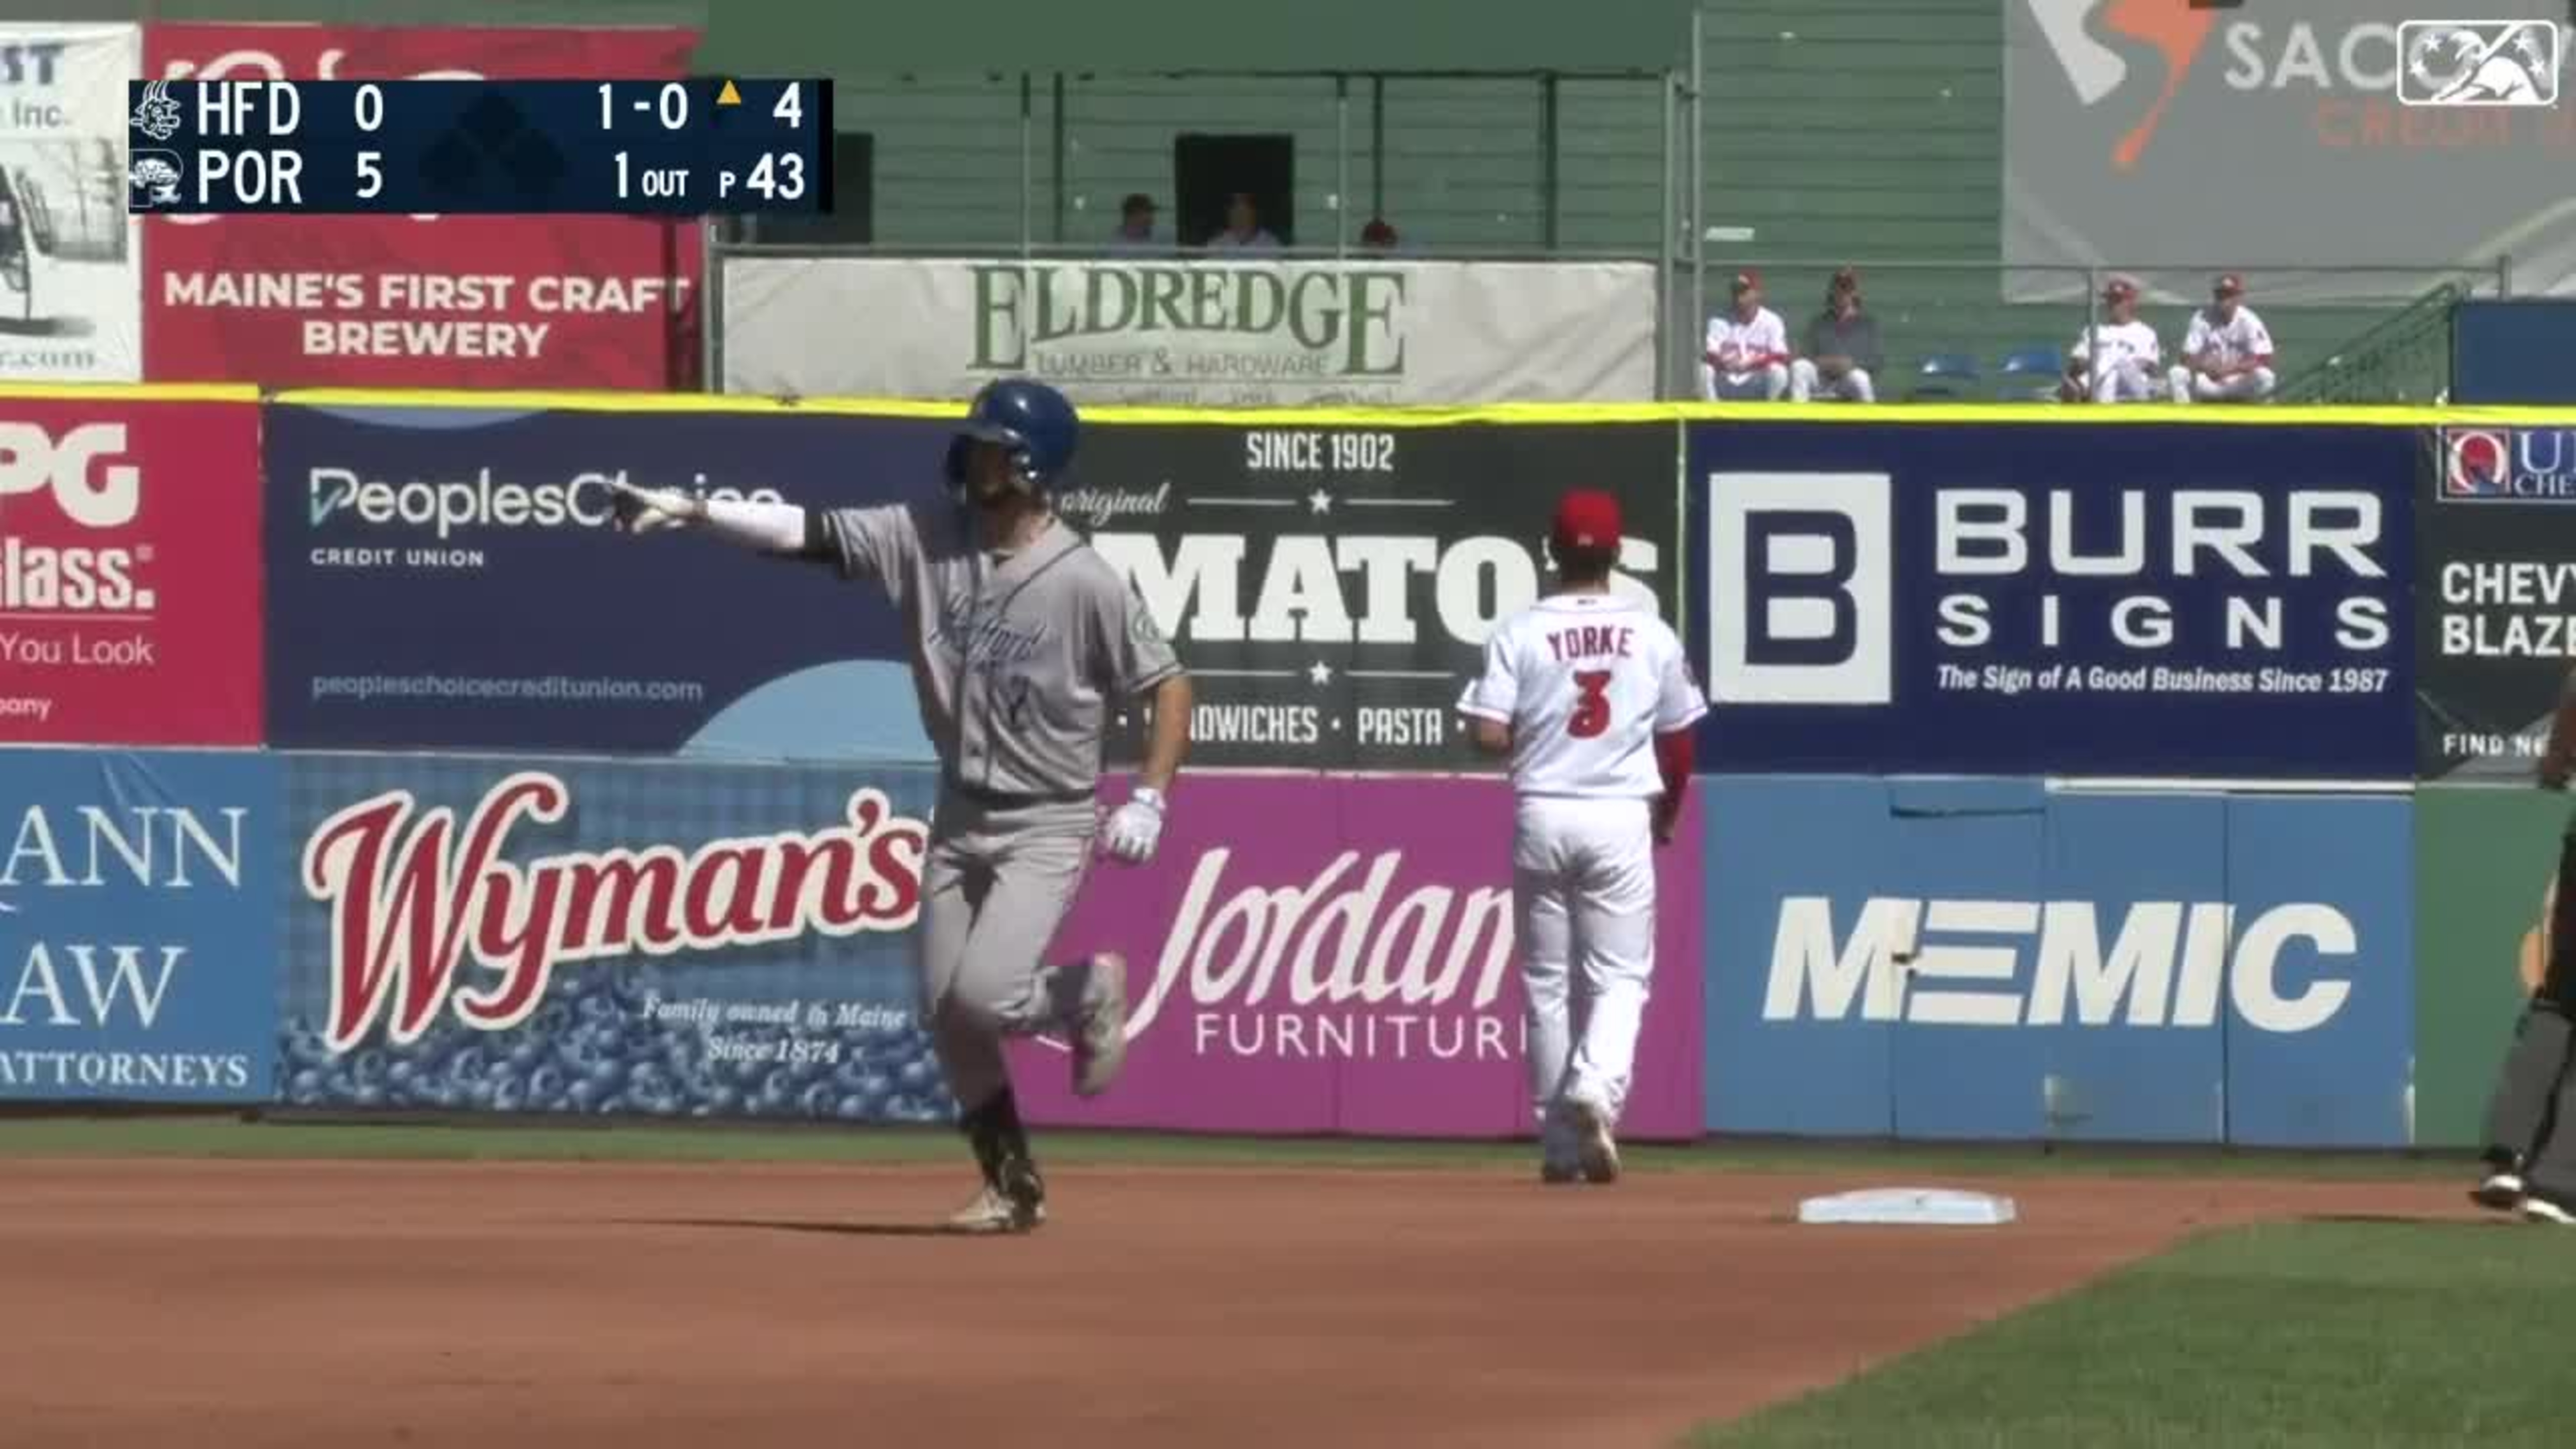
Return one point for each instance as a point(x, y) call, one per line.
point(2116, 360)
point(2227, 354)
point(1747, 350)
point(1588, 694)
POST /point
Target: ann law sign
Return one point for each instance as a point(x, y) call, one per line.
point(1190, 331)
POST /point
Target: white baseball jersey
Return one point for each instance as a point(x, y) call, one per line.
point(2124, 344)
point(1740, 347)
point(1586, 681)
point(2240, 339)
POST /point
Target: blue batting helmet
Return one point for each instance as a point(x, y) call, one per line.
point(1034, 421)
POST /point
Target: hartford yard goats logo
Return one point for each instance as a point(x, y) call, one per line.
point(413, 893)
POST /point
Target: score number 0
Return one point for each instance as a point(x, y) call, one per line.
point(368, 104)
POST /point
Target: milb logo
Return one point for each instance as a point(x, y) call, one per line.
point(1802, 581)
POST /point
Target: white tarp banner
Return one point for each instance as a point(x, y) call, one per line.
point(1191, 332)
point(71, 279)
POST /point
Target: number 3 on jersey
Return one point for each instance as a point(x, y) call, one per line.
point(1592, 710)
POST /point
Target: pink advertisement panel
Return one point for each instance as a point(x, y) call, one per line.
point(1312, 955)
point(129, 572)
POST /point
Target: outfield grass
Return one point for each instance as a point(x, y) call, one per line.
point(2295, 1335)
point(232, 1137)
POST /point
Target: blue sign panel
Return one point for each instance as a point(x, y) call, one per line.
point(444, 577)
point(1988, 959)
point(2111, 599)
point(2322, 976)
point(138, 926)
point(2513, 351)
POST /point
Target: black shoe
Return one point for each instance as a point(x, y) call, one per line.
point(2503, 1188)
point(1013, 1198)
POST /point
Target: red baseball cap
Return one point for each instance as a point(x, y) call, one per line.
point(1586, 518)
point(1747, 278)
point(2228, 285)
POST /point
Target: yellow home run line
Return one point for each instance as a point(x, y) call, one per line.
point(1515, 414)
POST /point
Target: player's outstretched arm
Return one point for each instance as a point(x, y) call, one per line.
point(778, 528)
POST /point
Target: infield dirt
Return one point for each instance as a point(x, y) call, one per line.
point(495, 1306)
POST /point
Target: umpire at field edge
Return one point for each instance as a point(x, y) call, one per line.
point(2531, 1121)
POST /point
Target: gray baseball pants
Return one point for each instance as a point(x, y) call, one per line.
point(2531, 1119)
point(999, 879)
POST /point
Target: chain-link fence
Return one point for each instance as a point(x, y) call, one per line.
point(1949, 331)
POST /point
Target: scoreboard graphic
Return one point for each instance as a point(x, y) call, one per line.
point(445, 147)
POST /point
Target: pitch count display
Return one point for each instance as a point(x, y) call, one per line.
point(663, 147)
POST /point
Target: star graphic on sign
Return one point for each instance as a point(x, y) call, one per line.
point(1319, 501)
point(1320, 672)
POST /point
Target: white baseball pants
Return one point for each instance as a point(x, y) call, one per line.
point(1852, 386)
point(2124, 382)
point(1583, 886)
point(2190, 386)
point(1763, 384)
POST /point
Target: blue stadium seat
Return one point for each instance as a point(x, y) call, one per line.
point(1943, 375)
point(2030, 373)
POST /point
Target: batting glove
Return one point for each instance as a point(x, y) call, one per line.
point(649, 510)
point(1135, 828)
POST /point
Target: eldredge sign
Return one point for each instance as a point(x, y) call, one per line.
point(1340, 322)
point(1197, 332)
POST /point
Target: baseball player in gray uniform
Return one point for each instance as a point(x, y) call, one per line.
point(1023, 639)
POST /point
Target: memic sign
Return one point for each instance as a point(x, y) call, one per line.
point(2219, 533)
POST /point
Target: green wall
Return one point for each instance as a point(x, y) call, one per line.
point(2483, 857)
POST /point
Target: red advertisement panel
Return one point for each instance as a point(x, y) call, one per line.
point(129, 572)
point(410, 301)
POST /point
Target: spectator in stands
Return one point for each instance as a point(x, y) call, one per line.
point(2115, 360)
point(1747, 351)
point(1843, 352)
point(2227, 354)
point(1135, 225)
point(1377, 236)
point(1243, 229)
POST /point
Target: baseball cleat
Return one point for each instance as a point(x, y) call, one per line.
point(1558, 1174)
point(994, 1212)
point(2501, 1191)
point(1594, 1147)
point(2537, 1209)
point(1100, 1042)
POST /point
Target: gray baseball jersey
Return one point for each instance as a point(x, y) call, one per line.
point(1017, 657)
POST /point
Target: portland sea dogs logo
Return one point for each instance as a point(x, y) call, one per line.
point(414, 892)
point(1357, 962)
